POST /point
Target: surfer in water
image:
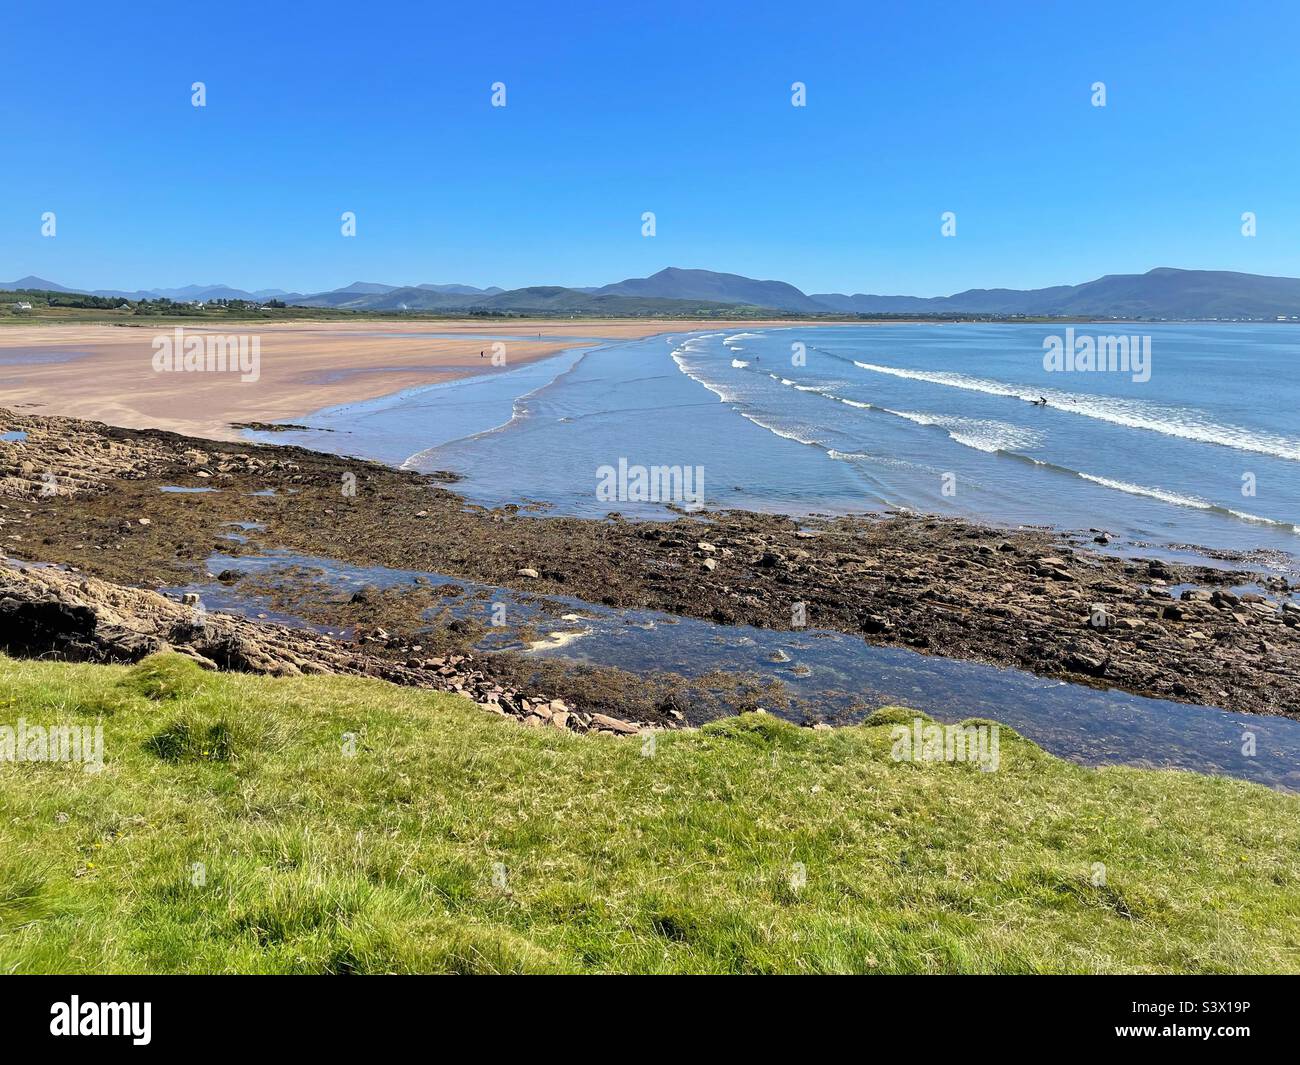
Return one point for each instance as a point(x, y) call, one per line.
point(1041, 401)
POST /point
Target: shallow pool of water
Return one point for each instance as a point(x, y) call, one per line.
point(841, 678)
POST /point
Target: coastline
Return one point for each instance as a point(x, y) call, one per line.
point(941, 586)
point(106, 373)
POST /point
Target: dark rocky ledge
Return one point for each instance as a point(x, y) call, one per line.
point(1025, 598)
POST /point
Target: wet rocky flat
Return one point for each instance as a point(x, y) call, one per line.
point(91, 496)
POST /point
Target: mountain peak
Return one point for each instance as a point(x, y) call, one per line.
point(34, 282)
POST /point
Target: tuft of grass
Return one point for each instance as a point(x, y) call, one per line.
point(166, 677)
point(347, 826)
point(895, 715)
point(188, 741)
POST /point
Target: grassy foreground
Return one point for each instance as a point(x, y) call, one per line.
point(456, 841)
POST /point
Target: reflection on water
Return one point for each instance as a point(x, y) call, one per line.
point(840, 678)
point(397, 427)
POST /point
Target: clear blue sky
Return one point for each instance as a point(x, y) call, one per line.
point(618, 108)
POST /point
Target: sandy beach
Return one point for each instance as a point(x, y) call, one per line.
point(106, 372)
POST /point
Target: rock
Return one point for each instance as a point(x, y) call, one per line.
point(144, 521)
point(1080, 663)
point(229, 576)
point(191, 599)
point(27, 629)
point(612, 724)
point(709, 565)
point(527, 572)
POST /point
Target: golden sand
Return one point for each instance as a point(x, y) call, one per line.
point(303, 366)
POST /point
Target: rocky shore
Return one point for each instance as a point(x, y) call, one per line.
point(49, 612)
point(91, 497)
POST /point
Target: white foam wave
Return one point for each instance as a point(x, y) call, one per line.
point(788, 434)
point(819, 391)
point(1151, 493)
point(982, 434)
point(1262, 521)
point(723, 394)
point(1132, 414)
point(1180, 500)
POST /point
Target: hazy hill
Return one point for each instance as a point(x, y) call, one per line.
point(1159, 293)
point(674, 283)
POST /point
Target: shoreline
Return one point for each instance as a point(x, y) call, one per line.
point(305, 366)
point(1022, 598)
point(1119, 544)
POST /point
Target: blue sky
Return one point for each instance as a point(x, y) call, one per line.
point(683, 109)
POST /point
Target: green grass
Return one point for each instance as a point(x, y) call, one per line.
point(677, 862)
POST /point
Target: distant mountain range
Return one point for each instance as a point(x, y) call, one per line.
point(1160, 293)
point(189, 292)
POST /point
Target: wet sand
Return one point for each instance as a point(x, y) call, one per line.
point(106, 372)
